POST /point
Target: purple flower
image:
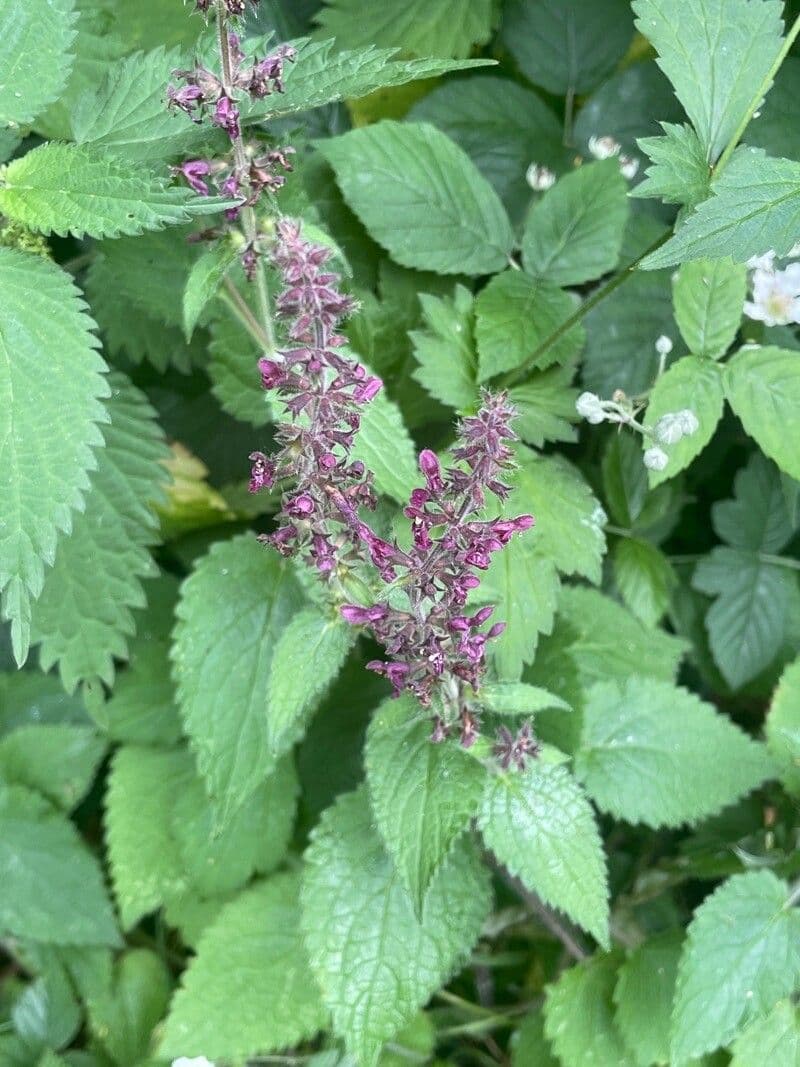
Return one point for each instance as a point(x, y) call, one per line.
point(359, 616)
point(262, 473)
point(188, 98)
point(194, 170)
point(514, 750)
point(226, 116)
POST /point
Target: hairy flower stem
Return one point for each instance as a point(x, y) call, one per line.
point(248, 214)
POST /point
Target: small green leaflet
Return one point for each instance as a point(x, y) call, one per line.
point(518, 698)
point(249, 988)
point(35, 59)
point(207, 274)
point(644, 747)
point(679, 173)
point(47, 434)
point(709, 295)
point(545, 403)
point(754, 206)
point(574, 233)
point(124, 1002)
point(717, 54)
point(395, 961)
point(445, 349)
point(763, 388)
point(421, 198)
point(579, 1015)
point(644, 577)
point(82, 190)
point(783, 727)
point(423, 795)
point(541, 826)
point(741, 956)
point(442, 28)
point(233, 369)
point(643, 997)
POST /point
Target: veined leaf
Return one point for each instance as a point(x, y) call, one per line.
point(709, 296)
point(421, 198)
point(58, 760)
point(50, 386)
point(644, 577)
point(680, 172)
point(445, 350)
point(763, 387)
point(783, 727)
point(205, 277)
point(643, 996)
point(518, 698)
point(774, 1040)
point(82, 189)
point(83, 618)
point(579, 1015)
point(395, 961)
point(35, 59)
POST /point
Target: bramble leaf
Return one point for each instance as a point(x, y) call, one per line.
point(679, 172)
point(774, 1039)
point(644, 577)
point(709, 296)
point(763, 387)
point(35, 45)
point(445, 350)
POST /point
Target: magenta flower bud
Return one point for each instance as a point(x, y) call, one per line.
point(429, 465)
point(480, 617)
point(496, 630)
point(476, 558)
point(359, 616)
point(327, 461)
point(460, 624)
point(188, 98)
point(226, 116)
point(368, 390)
point(272, 373)
point(300, 506)
point(194, 170)
point(262, 474)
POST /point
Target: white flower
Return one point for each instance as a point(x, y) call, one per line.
point(590, 407)
point(763, 262)
point(776, 296)
point(664, 345)
point(628, 166)
point(603, 147)
point(192, 1061)
point(688, 421)
point(539, 177)
point(655, 459)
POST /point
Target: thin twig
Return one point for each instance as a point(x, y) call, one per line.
point(557, 927)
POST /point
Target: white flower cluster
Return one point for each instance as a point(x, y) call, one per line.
point(669, 429)
point(776, 293)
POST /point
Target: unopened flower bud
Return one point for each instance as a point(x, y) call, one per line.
point(669, 429)
point(539, 177)
point(689, 422)
point(603, 147)
point(590, 407)
point(663, 345)
point(655, 459)
point(628, 166)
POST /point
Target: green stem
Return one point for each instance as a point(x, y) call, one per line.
point(234, 300)
point(780, 561)
point(794, 895)
point(760, 93)
point(515, 376)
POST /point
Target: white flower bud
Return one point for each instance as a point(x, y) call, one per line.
point(628, 166)
point(590, 407)
point(669, 428)
point(603, 147)
point(688, 421)
point(655, 459)
point(664, 345)
point(539, 177)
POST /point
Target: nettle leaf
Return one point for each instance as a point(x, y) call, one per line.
point(310, 638)
point(763, 388)
point(742, 955)
point(421, 27)
point(35, 58)
point(754, 206)
point(321, 76)
point(518, 698)
point(83, 617)
point(445, 350)
point(126, 114)
point(545, 405)
point(717, 54)
point(421, 198)
point(39, 850)
point(83, 190)
point(233, 608)
point(579, 1015)
point(58, 760)
point(645, 748)
point(644, 577)
point(51, 382)
point(574, 232)
point(514, 315)
point(783, 727)
point(249, 989)
point(423, 795)
point(375, 961)
point(540, 825)
point(709, 295)
point(774, 1039)
point(501, 126)
point(680, 173)
point(384, 446)
point(690, 383)
point(643, 997)
point(564, 46)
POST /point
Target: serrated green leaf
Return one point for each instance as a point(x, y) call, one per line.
point(29, 698)
point(232, 610)
point(774, 131)
point(40, 849)
point(47, 433)
point(741, 956)
point(420, 27)
point(644, 746)
point(58, 760)
point(564, 46)
point(545, 405)
point(421, 198)
point(249, 989)
point(716, 53)
point(514, 314)
point(709, 296)
point(754, 206)
point(355, 908)
point(679, 173)
point(127, 115)
point(294, 692)
point(83, 618)
point(690, 383)
point(783, 727)
point(384, 446)
point(423, 794)
point(774, 1039)
point(529, 1047)
point(83, 190)
point(35, 59)
point(540, 825)
point(763, 388)
point(579, 1015)
point(205, 277)
point(445, 350)
point(518, 698)
point(47, 1013)
point(644, 577)
point(643, 997)
point(574, 232)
